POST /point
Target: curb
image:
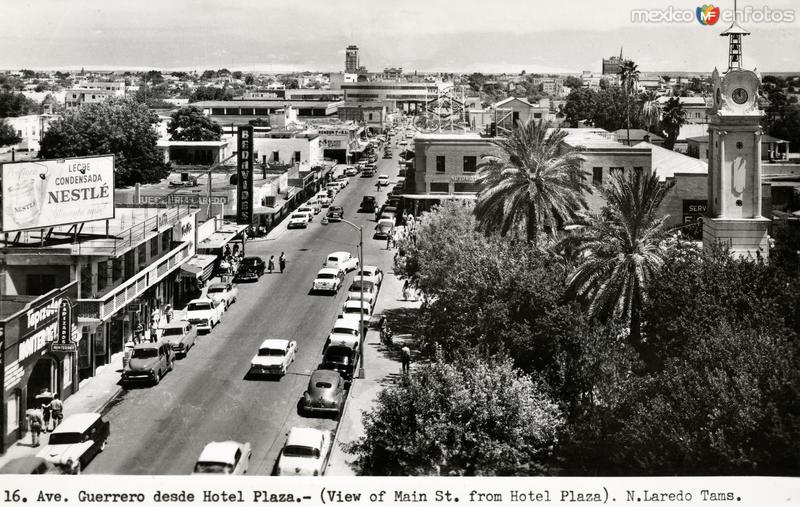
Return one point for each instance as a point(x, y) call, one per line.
point(104, 407)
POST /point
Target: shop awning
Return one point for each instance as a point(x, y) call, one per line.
point(268, 210)
point(199, 267)
point(431, 197)
point(291, 192)
point(220, 238)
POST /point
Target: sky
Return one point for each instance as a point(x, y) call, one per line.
point(427, 35)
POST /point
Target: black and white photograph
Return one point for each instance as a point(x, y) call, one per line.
point(361, 239)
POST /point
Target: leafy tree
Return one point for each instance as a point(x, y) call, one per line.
point(786, 125)
point(531, 183)
point(210, 93)
point(573, 82)
point(118, 125)
point(16, 104)
point(673, 117)
point(237, 74)
point(581, 104)
point(611, 109)
point(465, 418)
point(190, 124)
point(623, 250)
point(154, 77)
point(8, 136)
point(629, 79)
point(249, 80)
point(208, 74)
point(651, 110)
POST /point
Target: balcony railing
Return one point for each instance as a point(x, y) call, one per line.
point(101, 309)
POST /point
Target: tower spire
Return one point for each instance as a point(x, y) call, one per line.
point(735, 34)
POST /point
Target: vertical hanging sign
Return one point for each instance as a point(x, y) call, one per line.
point(244, 180)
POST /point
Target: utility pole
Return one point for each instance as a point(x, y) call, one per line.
point(361, 328)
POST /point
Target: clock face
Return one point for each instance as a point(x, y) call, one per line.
point(739, 95)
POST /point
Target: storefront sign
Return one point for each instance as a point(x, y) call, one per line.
point(462, 179)
point(46, 193)
point(184, 232)
point(244, 171)
point(195, 199)
point(695, 206)
point(63, 342)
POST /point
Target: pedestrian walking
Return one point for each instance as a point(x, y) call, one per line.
point(35, 425)
point(138, 333)
point(46, 412)
point(271, 264)
point(389, 241)
point(153, 332)
point(282, 261)
point(405, 291)
point(405, 355)
point(58, 410)
point(170, 313)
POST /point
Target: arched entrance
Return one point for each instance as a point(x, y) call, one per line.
point(43, 378)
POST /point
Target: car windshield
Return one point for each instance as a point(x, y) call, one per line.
point(144, 353)
point(198, 306)
point(65, 438)
point(323, 385)
point(356, 286)
point(354, 309)
point(271, 352)
point(205, 467)
point(250, 261)
point(337, 358)
point(298, 215)
point(172, 331)
point(325, 276)
point(299, 451)
point(214, 290)
point(345, 330)
point(333, 259)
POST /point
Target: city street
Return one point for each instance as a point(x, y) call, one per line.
point(162, 429)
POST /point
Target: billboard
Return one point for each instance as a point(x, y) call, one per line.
point(244, 172)
point(45, 193)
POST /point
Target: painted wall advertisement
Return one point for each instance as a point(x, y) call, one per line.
point(244, 171)
point(46, 193)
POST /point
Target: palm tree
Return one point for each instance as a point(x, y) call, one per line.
point(651, 111)
point(672, 119)
point(629, 78)
point(622, 250)
point(532, 182)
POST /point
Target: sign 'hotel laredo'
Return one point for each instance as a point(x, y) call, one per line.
point(45, 193)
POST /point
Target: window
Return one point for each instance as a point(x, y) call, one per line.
point(442, 188)
point(370, 116)
point(615, 171)
point(102, 275)
point(276, 156)
point(142, 255)
point(86, 280)
point(116, 268)
point(464, 188)
point(218, 110)
point(470, 164)
point(38, 284)
point(597, 175)
point(297, 156)
point(440, 163)
point(537, 115)
point(154, 246)
point(165, 241)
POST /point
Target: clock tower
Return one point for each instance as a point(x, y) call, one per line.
point(734, 161)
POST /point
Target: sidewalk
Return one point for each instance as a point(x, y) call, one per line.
point(381, 369)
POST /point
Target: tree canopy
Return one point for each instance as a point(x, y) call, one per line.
point(119, 126)
point(8, 136)
point(190, 124)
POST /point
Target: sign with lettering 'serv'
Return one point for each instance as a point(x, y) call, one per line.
point(244, 181)
point(46, 193)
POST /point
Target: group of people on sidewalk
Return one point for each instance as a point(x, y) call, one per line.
point(155, 318)
point(39, 418)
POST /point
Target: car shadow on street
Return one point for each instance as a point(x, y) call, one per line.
point(251, 376)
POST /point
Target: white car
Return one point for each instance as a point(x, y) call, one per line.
point(305, 452)
point(315, 205)
point(308, 209)
point(273, 357)
point(323, 199)
point(227, 293)
point(341, 260)
point(334, 187)
point(371, 273)
point(229, 458)
point(351, 171)
point(328, 279)
point(368, 294)
point(299, 220)
point(204, 313)
point(356, 310)
point(383, 180)
point(345, 332)
point(342, 180)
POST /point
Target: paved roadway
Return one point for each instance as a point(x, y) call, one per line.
point(162, 429)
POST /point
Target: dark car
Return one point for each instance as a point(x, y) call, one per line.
point(325, 393)
point(368, 203)
point(341, 359)
point(250, 269)
point(387, 154)
point(149, 362)
point(335, 214)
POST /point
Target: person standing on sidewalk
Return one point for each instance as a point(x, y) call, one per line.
point(35, 425)
point(405, 354)
point(58, 410)
point(170, 313)
point(271, 264)
point(282, 261)
point(46, 411)
point(138, 333)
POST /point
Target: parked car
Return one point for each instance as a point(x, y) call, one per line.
point(342, 359)
point(251, 268)
point(357, 310)
point(344, 332)
point(315, 206)
point(29, 465)
point(368, 203)
point(384, 228)
point(299, 220)
point(325, 393)
point(204, 313)
point(308, 209)
point(181, 335)
point(335, 214)
point(368, 294)
point(273, 357)
point(333, 186)
point(369, 170)
point(305, 452)
point(224, 292)
point(383, 180)
point(371, 274)
point(342, 180)
point(149, 362)
point(228, 458)
point(323, 199)
point(341, 260)
point(388, 208)
point(351, 171)
point(328, 279)
point(387, 154)
point(76, 441)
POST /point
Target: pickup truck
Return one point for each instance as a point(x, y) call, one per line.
point(204, 313)
point(225, 292)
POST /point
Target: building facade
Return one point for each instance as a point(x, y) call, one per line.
point(351, 64)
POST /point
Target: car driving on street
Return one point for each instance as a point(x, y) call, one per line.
point(335, 214)
point(328, 280)
point(341, 260)
point(228, 458)
point(273, 357)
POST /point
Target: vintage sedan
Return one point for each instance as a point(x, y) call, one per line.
point(229, 458)
point(299, 220)
point(328, 280)
point(323, 199)
point(335, 214)
point(344, 332)
point(77, 440)
point(341, 260)
point(384, 229)
point(325, 393)
point(371, 274)
point(181, 335)
point(273, 357)
point(250, 269)
point(357, 311)
point(225, 293)
point(149, 362)
point(305, 453)
point(368, 294)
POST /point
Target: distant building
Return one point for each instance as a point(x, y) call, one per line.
point(351, 60)
point(30, 128)
point(611, 65)
point(772, 148)
point(505, 114)
point(373, 115)
point(408, 97)
point(638, 136)
point(336, 79)
point(696, 108)
point(392, 74)
point(93, 92)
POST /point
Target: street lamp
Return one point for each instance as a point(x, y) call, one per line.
point(361, 328)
